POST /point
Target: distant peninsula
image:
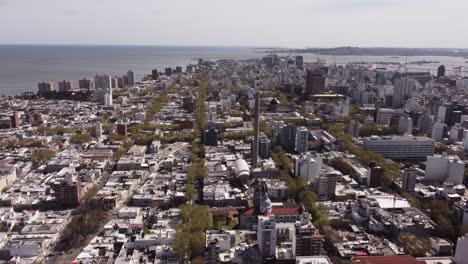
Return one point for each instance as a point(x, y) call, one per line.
point(379, 51)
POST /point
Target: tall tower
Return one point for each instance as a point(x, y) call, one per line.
point(256, 123)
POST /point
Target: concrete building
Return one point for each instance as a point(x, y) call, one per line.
point(288, 138)
point(438, 131)
point(315, 83)
point(461, 252)
point(65, 86)
point(15, 122)
point(103, 85)
point(98, 129)
point(86, 84)
point(384, 115)
point(45, 87)
point(67, 191)
point(130, 78)
point(409, 179)
point(266, 232)
point(300, 62)
point(353, 128)
point(302, 140)
point(308, 167)
point(264, 148)
point(400, 147)
point(7, 176)
point(405, 125)
point(456, 133)
point(210, 137)
point(325, 186)
point(402, 91)
point(122, 127)
point(445, 168)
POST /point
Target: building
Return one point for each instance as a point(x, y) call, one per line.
point(441, 71)
point(288, 138)
point(353, 128)
point(122, 127)
point(86, 84)
point(308, 167)
point(65, 86)
point(401, 147)
point(168, 71)
point(384, 115)
point(45, 87)
point(308, 241)
point(325, 186)
point(302, 140)
point(67, 191)
point(461, 252)
point(456, 133)
point(409, 180)
point(375, 177)
point(266, 233)
point(315, 83)
point(264, 146)
point(402, 90)
point(444, 168)
point(211, 255)
point(98, 129)
point(438, 131)
point(299, 62)
point(425, 123)
point(405, 125)
point(130, 78)
point(15, 122)
point(154, 74)
point(103, 85)
point(210, 137)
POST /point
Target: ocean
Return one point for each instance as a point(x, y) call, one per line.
point(23, 66)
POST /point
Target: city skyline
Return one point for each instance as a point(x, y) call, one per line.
point(297, 24)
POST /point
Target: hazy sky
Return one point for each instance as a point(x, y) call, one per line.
point(287, 23)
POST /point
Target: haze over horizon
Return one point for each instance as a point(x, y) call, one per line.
point(263, 23)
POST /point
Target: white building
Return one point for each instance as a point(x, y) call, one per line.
point(302, 140)
point(400, 147)
point(456, 133)
point(402, 90)
point(461, 252)
point(225, 105)
point(445, 168)
point(405, 125)
point(266, 232)
point(438, 131)
point(308, 167)
point(103, 85)
point(384, 115)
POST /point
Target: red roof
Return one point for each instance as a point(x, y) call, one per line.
point(388, 260)
point(275, 211)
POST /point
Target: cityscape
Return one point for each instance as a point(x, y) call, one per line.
point(232, 132)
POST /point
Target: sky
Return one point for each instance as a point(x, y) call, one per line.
point(261, 23)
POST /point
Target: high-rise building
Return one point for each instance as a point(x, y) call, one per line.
point(465, 141)
point(441, 71)
point(461, 254)
point(353, 129)
point(122, 127)
point(103, 85)
point(302, 140)
point(210, 137)
point(438, 131)
point(14, 120)
point(308, 167)
point(288, 138)
point(315, 83)
point(98, 129)
point(211, 255)
point(178, 69)
point(308, 241)
point(154, 74)
point(425, 123)
point(45, 87)
point(130, 78)
point(67, 191)
point(264, 146)
point(384, 115)
point(325, 186)
point(65, 86)
point(402, 90)
point(86, 84)
point(375, 178)
point(266, 233)
point(405, 125)
point(168, 71)
point(409, 180)
point(444, 168)
point(456, 133)
point(256, 125)
point(299, 62)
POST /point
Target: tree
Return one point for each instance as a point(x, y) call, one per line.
point(308, 198)
point(190, 192)
point(415, 246)
point(42, 156)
